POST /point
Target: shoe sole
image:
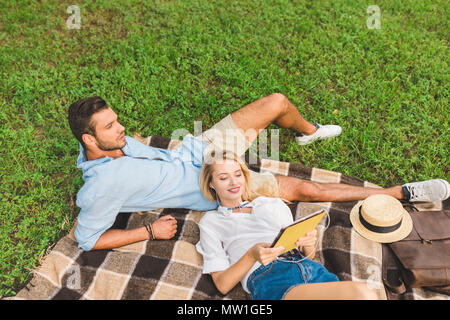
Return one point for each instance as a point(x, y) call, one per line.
point(318, 138)
point(447, 189)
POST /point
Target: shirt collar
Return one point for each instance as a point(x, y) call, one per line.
point(84, 164)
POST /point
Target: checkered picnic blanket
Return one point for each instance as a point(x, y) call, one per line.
point(172, 269)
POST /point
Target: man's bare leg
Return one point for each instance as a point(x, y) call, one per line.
point(295, 189)
point(275, 108)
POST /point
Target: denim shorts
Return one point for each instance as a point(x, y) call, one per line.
point(273, 281)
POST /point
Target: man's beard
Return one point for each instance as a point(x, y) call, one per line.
point(104, 146)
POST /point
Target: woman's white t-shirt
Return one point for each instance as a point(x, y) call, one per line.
point(225, 236)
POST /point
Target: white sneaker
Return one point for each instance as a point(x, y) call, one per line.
point(428, 191)
point(322, 132)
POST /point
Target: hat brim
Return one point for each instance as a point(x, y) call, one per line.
point(402, 232)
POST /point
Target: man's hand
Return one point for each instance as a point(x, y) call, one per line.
point(165, 227)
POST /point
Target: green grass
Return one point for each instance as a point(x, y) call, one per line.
point(164, 64)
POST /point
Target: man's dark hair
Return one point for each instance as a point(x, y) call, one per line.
point(80, 114)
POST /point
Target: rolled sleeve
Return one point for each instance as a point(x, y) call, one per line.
point(96, 216)
point(210, 247)
point(285, 214)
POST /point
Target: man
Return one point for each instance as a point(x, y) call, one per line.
point(124, 175)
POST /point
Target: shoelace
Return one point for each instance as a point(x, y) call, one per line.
point(298, 134)
point(416, 193)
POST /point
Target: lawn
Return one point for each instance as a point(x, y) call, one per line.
point(164, 64)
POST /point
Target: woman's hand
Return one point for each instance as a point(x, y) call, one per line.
point(227, 279)
point(264, 254)
point(309, 240)
point(307, 244)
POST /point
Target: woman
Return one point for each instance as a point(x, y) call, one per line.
point(235, 241)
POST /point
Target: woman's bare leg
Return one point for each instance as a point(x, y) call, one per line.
point(340, 290)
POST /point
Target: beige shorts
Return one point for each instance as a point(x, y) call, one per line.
point(226, 135)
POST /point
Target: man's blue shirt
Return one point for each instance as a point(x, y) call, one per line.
point(137, 182)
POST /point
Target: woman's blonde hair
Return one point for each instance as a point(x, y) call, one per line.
point(206, 173)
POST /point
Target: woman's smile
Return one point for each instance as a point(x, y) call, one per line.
point(234, 190)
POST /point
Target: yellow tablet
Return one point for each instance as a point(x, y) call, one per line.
point(289, 235)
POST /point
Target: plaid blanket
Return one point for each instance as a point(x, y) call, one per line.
point(171, 269)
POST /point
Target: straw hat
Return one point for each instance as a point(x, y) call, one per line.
point(381, 218)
